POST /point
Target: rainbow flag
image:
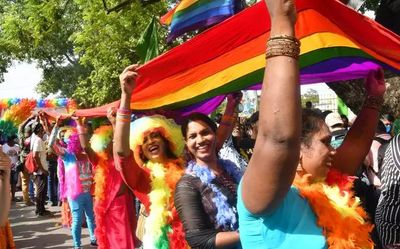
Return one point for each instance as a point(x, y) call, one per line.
point(337, 43)
point(190, 15)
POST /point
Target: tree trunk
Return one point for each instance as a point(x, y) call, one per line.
point(352, 92)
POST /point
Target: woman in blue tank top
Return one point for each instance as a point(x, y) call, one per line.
point(295, 192)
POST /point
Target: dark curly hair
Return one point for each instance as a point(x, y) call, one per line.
point(311, 124)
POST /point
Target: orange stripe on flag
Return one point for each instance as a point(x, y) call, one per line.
point(167, 18)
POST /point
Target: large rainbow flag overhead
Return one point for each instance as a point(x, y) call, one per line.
point(190, 15)
point(337, 43)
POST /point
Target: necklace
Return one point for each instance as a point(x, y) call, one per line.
point(226, 216)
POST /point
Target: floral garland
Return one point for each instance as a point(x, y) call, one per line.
point(339, 214)
point(226, 215)
point(163, 228)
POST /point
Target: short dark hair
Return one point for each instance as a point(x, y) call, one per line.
point(380, 128)
point(11, 138)
point(197, 117)
point(38, 127)
point(311, 124)
point(388, 117)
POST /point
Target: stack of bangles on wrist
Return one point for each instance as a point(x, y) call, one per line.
point(124, 115)
point(373, 102)
point(81, 130)
point(283, 45)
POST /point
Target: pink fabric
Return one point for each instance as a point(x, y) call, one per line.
point(70, 183)
point(73, 185)
point(61, 179)
point(120, 222)
point(68, 174)
point(119, 214)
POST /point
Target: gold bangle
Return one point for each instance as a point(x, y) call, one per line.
point(285, 37)
point(119, 115)
point(283, 46)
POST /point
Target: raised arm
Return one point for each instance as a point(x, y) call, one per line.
point(357, 143)
point(44, 122)
point(276, 153)
point(228, 119)
point(53, 137)
point(21, 130)
point(112, 116)
point(83, 138)
point(122, 126)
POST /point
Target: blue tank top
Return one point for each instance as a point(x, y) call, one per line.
point(293, 225)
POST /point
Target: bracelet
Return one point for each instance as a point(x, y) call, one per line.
point(82, 133)
point(124, 120)
point(123, 111)
point(373, 102)
point(285, 37)
point(123, 117)
point(283, 46)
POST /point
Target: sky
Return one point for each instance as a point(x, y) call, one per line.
point(20, 81)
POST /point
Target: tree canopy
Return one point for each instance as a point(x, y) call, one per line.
point(80, 47)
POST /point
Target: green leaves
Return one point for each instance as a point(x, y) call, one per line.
point(81, 49)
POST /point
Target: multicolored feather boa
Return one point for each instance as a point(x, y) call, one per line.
point(226, 216)
point(99, 142)
point(163, 229)
point(343, 220)
point(101, 181)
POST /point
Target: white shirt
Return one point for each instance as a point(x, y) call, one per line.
point(12, 153)
point(38, 145)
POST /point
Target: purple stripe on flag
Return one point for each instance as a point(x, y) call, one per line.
point(201, 24)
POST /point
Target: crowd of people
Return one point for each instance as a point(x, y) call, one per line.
point(286, 177)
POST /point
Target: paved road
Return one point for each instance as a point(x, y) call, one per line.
point(31, 232)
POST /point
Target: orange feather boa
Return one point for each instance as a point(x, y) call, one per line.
point(338, 212)
point(100, 178)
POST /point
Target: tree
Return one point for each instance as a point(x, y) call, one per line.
point(80, 47)
point(311, 95)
